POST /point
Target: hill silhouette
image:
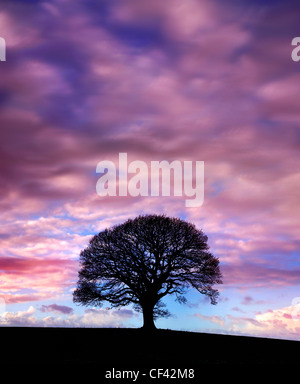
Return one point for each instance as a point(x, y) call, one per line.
point(128, 348)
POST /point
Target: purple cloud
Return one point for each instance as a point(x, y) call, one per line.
point(58, 309)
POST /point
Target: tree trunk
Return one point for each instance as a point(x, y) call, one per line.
point(148, 318)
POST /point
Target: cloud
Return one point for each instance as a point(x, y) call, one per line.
point(58, 309)
point(20, 318)
point(65, 317)
point(237, 309)
point(214, 319)
point(44, 277)
point(279, 323)
point(104, 317)
point(248, 300)
point(258, 275)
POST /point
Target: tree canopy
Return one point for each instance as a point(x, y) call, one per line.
point(144, 259)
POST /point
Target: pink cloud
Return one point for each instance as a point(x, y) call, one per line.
point(45, 277)
point(91, 318)
point(219, 320)
point(278, 323)
point(279, 98)
point(248, 274)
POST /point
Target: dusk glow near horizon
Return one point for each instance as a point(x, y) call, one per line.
point(97, 98)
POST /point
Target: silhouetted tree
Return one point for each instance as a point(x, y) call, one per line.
point(143, 260)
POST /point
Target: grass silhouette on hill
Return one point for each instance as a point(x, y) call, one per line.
point(111, 347)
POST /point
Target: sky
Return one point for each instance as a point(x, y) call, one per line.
point(188, 80)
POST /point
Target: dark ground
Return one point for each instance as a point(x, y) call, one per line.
point(108, 347)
